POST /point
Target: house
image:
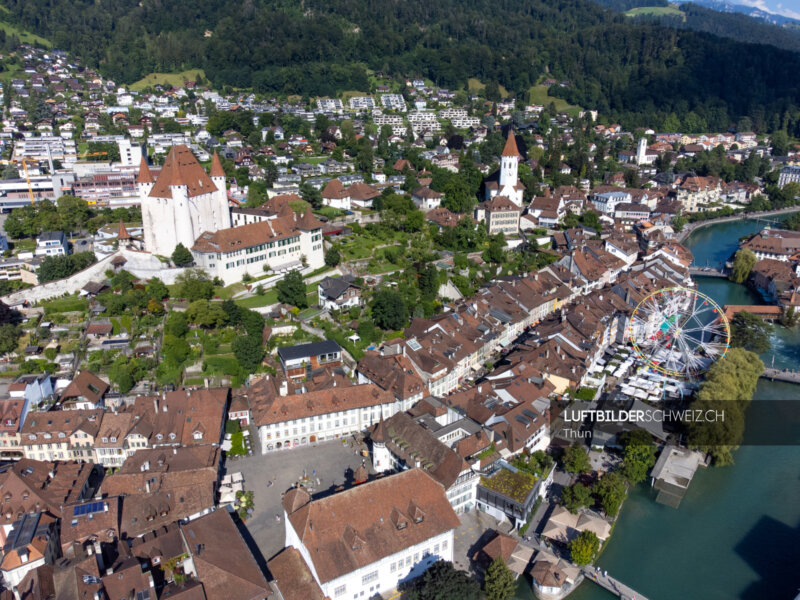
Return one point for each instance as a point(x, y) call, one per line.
point(336, 195)
point(373, 536)
point(515, 554)
point(52, 243)
point(34, 389)
point(563, 526)
point(500, 215)
point(298, 361)
point(362, 194)
point(338, 293)
point(553, 577)
point(426, 199)
point(85, 391)
point(31, 541)
point(12, 415)
point(292, 577)
point(60, 435)
point(298, 419)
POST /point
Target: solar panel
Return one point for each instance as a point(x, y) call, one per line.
point(529, 413)
point(89, 508)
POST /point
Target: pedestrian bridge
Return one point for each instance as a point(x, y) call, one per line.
point(609, 583)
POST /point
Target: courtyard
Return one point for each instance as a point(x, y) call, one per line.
point(321, 467)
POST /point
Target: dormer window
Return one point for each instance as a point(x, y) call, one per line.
point(172, 436)
point(32, 436)
point(159, 436)
point(47, 436)
point(198, 435)
point(61, 434)
point(113, 440)
point(105, 440)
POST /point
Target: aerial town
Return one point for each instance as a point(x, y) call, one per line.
point(327, 348)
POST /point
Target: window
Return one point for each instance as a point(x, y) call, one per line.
point(393, 567)
point(408, 560)
point(339, 590)
point(444, 545)
point(436, 549)
point(369, 577)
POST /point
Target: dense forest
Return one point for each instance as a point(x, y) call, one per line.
point(727, 24)
point(635, 73)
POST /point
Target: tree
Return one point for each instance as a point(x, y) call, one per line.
point(120, 373)
point(252, 322)
point(499, 582)
point(790, 317)
point(389, 310)
point(155, 307)
point(332, 256)
point(576, 496)
point(576, 460)
point(249, 351)
point(292, 290)
point(195, 285)
point(611, 490)
point(750, 332)
point(723, 398)
point(176, 324)
point(743, 263)
point(639, 455)
point(583, 548)
point(495, 253)
point(206, 314)
point(181, 256)
point(442, 581)
point(175, 350)
point(9, 336)
point(156, 290)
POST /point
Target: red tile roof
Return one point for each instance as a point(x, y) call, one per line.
point(181, 168)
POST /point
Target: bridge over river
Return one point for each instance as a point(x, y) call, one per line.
point(782, 375)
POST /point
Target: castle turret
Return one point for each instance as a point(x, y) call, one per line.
point(217, 173)
point(144, 180)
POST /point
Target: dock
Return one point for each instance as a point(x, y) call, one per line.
point(607, 582)
point(784, 375)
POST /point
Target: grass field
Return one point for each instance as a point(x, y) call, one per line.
point(538, 95)
point(352, 94)
point(475, 85)
point(655, 11)
point(24, 36)
point(171, 79)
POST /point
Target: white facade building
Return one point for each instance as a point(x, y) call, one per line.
point(366, 540)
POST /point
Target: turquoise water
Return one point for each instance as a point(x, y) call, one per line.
point(737, 532)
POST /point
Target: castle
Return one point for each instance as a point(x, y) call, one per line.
point(189, 206)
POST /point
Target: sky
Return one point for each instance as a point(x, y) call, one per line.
point(787, 8)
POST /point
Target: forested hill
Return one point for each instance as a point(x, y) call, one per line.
point(639, 74)
point(725, 24)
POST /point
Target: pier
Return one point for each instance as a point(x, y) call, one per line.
point(607, 582)
point(782, 375)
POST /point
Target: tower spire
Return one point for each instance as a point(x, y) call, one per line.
point(144, 176)
point(216, 167)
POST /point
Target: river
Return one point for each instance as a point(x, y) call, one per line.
point(736, 533)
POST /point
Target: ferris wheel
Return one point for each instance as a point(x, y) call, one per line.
point(679, 332)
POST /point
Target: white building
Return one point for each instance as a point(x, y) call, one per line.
point(299, 419)
point(366, 540)
point(283, 243)
point(183, 203)
point(52, 243)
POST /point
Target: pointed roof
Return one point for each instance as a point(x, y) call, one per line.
point(123, 232)
point(144, 176)
point(181, 168)
point(307, 221)
point(216, 166)
point(379, 435)
point(510, 148)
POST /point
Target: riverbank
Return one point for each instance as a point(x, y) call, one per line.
point(734, 534)
point(689, 228)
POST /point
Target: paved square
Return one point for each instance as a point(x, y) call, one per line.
point(323, 463)
point(472, 534)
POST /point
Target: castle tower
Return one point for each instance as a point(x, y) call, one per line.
point(217, 173)
point(144, 180)
point(509, 162)
point(381, 457)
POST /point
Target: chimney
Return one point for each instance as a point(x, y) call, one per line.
point(155, 403)
point(147, 485)
point(284, 388)
point(98, 552)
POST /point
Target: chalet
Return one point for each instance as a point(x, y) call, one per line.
point(298, 361)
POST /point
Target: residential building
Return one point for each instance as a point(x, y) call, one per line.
point(52, 243)
point(298, 361)
point(338, 293)
point(426, 199)
point(510, 494)
point(500, 214)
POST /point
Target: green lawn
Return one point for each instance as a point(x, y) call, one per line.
point(68, 304)
point(171, 79)
point(538, 94)
point(476, 85)
point(24, 245)
point(655, 11)
point(271, 297)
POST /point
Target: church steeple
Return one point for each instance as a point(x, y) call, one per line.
point(509, 162)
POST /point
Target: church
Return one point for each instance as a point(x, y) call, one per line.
point(189, 206)
point(507, 184)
